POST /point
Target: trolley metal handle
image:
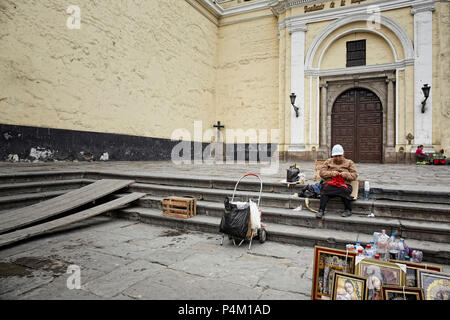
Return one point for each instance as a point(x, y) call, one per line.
point(246, 175)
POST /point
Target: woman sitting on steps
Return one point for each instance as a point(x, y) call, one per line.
point(337, 173)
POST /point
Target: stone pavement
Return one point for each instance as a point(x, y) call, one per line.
point(397, 175)
point(121, 259)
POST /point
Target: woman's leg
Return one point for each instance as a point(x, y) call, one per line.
point(347, 204)
point(323, 202)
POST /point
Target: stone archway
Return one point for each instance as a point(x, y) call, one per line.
point(381, 84)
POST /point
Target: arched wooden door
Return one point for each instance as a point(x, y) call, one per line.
point(357, 124)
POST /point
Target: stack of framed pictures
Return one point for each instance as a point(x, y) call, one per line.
point(341, 275)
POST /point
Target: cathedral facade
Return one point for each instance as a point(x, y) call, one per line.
point(133, 77)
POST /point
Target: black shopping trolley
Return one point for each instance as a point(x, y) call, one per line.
point(242, 220)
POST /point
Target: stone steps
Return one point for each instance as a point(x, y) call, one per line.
point(430, 231)
point(298, 235)
point(23, 200)
point(381, 208)
point(10, 189)
point(412, 194)
point(425, 226)
point(40, 176)
point(35, 191)
point(433, 195)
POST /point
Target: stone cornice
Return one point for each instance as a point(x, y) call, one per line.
point(364, 69)
point(423, 7)
point(296, 26)
point(279, 6)
point(219, 12)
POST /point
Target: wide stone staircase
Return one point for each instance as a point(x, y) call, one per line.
point(421, 217)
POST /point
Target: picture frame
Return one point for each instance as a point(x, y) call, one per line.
point(390, 292)
point(348, 286)
point(379, 273)
point(435, 285)
point(326, 262)
point(412, 271)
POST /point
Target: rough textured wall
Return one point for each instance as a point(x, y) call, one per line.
point(247, 86)
point(135, 67)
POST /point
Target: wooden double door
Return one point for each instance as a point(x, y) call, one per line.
point(357, 124)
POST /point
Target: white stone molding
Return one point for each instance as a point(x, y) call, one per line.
point(423, 7)
point(245, 7)
point(385, 21)
point(279, 6)
point(317, 111)
point(358, 70)
point(397, 79)
point(423, 72)
point(298, 87)
point(294, 26)
point(358, 30)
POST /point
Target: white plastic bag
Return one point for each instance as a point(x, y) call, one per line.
point(240, 204)
point(255, 215)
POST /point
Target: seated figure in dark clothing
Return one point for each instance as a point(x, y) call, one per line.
point(337, 173)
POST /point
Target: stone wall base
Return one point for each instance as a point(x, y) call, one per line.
point(390, 156)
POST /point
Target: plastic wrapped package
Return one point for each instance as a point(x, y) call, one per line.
point(255, 214)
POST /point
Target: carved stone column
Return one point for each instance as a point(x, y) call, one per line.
point(390, 113)
point(323, 149)
point(389, 153)
point(423, 73)
point(297, 32)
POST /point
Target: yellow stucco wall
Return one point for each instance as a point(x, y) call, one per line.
point(247, 86)
point(148, 68)
point(441, 72)
point(140, 68)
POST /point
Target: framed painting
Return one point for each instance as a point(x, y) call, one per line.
point(412, 268)
point(326, 262)
point(435, 285)
point(348, 286)
point(379, 273)
point(401, 293)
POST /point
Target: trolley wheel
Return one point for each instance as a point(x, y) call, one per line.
point(262, 235)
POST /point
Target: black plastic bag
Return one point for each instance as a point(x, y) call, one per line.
point(235, 221)
point(311, 191)
point(292, 174)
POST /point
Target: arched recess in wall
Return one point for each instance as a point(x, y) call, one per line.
point(400, 33)
point(392, 52)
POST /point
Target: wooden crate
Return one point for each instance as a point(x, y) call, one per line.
point(179, 207)
point(318, 164)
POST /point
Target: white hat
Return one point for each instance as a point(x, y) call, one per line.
point(337, 150)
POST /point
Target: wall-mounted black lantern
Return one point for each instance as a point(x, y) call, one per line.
point(293, 96)
point(426, 92)
point(409, 137)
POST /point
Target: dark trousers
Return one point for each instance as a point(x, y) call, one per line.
point(324, 200)
point(421, 157)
